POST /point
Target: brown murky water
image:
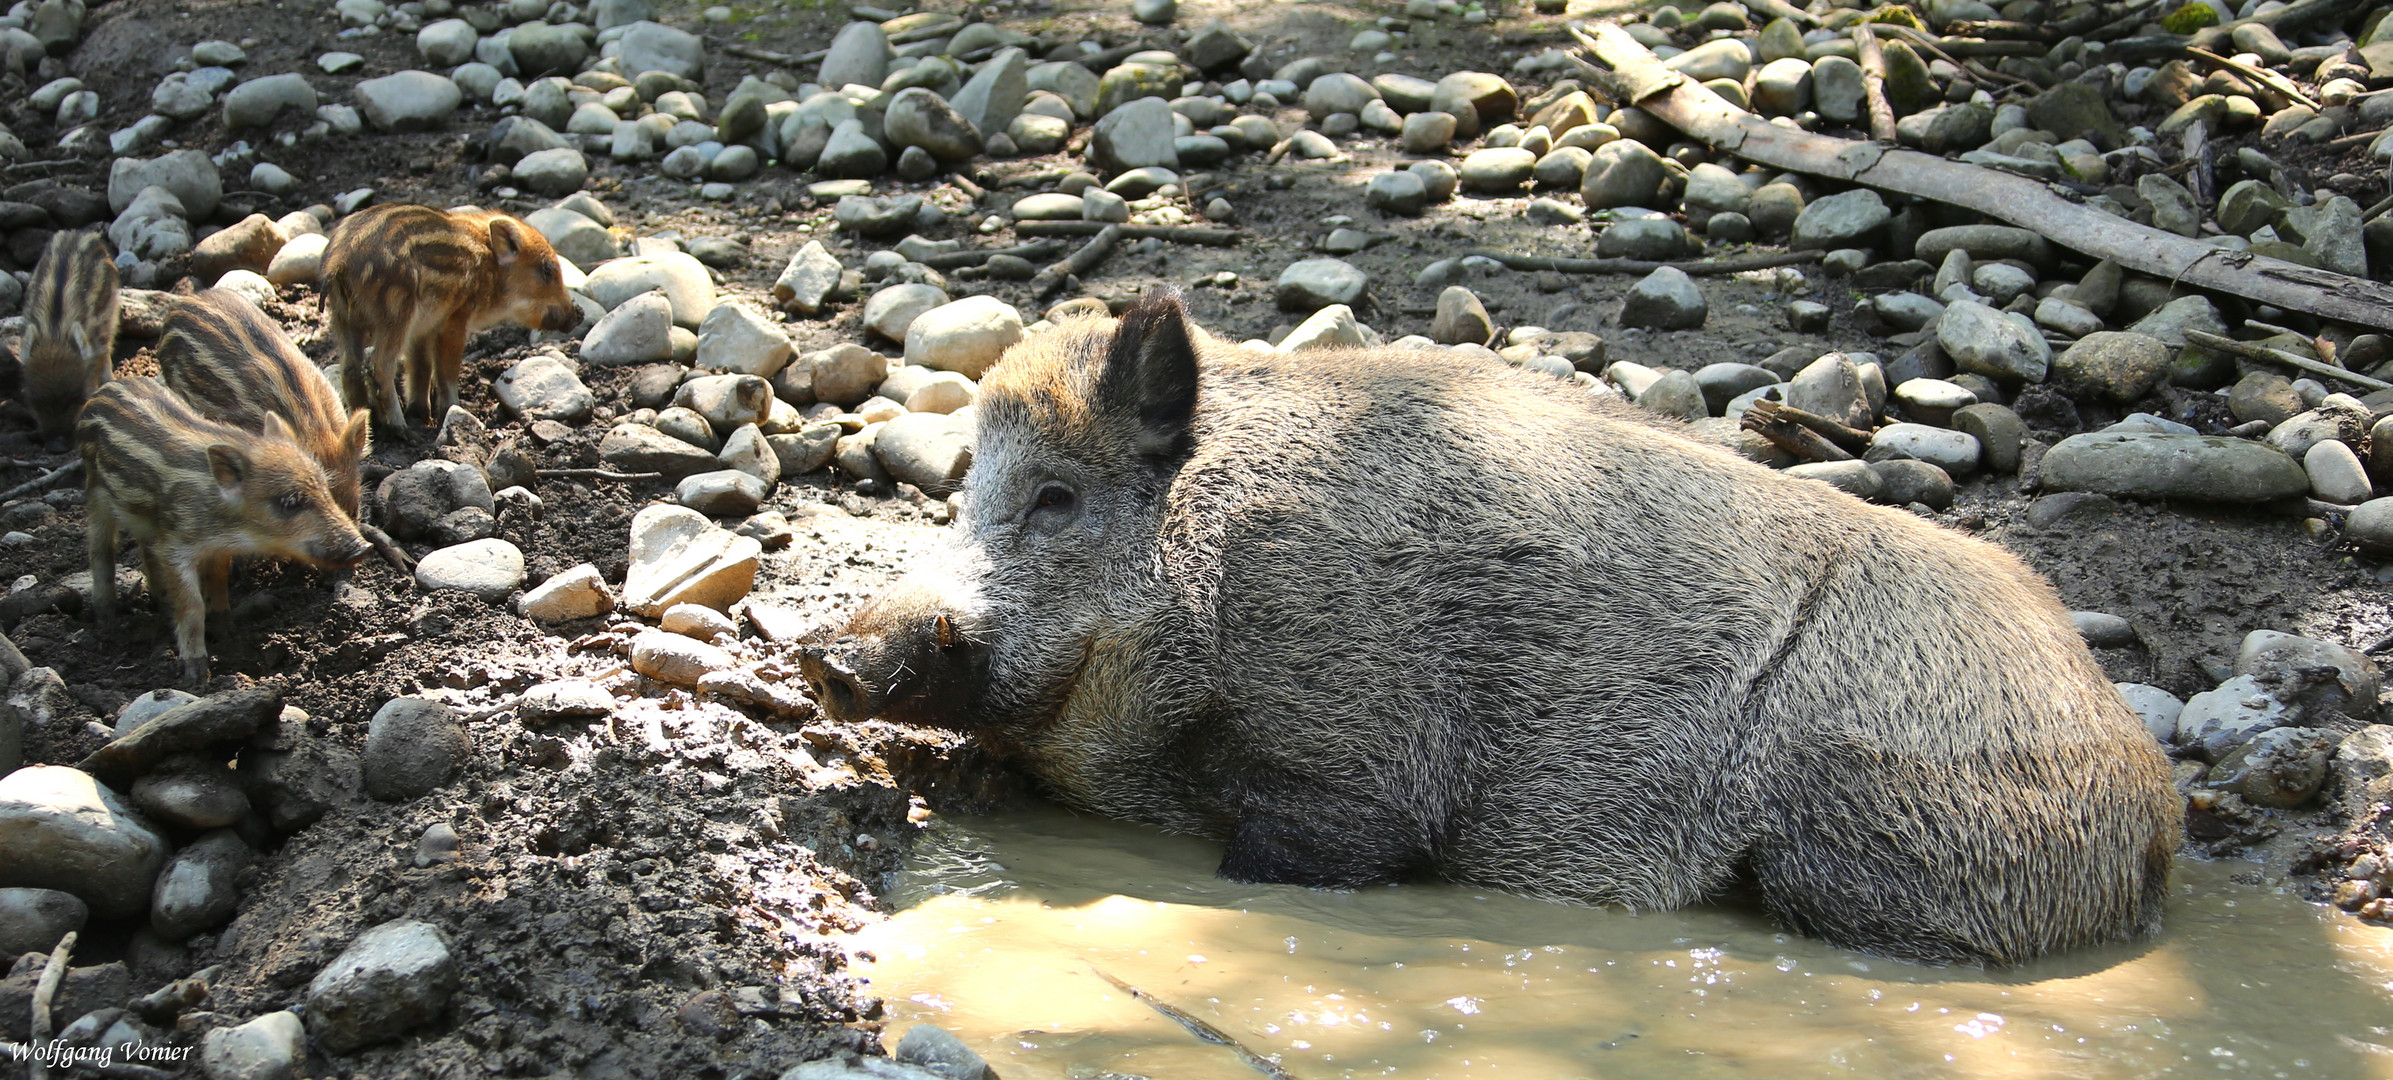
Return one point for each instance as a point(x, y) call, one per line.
point(1002, 922)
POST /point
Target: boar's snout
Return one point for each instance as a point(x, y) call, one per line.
point(922, 669)
point(560, 318)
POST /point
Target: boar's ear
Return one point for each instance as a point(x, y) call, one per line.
point(1151, 375)
point(279, 429)
point(230, 466)
point(506, 245)
point(353, 436)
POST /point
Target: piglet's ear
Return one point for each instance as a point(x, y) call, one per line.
point(1150, 376)
point(506, 245)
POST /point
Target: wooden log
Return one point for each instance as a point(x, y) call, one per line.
point(1637, 78)
point(1873, 83)
point(1850, 438)
point(1694, 267)
point(45, 991)
point(1177, 234)
point(953, 260)
point(1079, 262)
point(1785, 434)
point(2296, 361)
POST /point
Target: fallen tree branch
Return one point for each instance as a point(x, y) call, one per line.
point(1921, 39)
point(951, 260)
point(751, 52)
point(598, 474)
point(1873, 82)
point(1637, 78)
point(2298, 362)
point(1177, 234)
point(2263, 76)
point(1765, 419)
point(1851, 439)
point(964, 184)
point(42, 481)
point(1693, 267)
point(1052, 278)
point(387, 547)
point(1198, 1027)
point(45, 991)
point(21, 166)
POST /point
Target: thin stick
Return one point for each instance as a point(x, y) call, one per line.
point(1696, 267)
point(42, 481)
point(390, 549)
point(1922, 40)
point(22, 166)
point(1873, 82)
point(2264, 77)
point(1198, 1027)
point(1790, 436)
point(1851, 438)
point(1036, 249)
point(599, 474)
point(1082, 261)
point(751, 52)
point(1177, 234)
point(2279, 356)
point(44, 992)
point(964, 183)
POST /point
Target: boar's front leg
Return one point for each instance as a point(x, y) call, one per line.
point(1324, 851)
point(446, 366)
point(187, 599)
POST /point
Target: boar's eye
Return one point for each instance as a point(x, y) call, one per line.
point(1054, 505)
point(291, 505)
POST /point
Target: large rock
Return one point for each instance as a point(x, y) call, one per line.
point(965, 336)
point(32, 920)
point(1135, 135)
point(641, 448)
point(680, 557)
point(489, 568)
point(1622, 173)
point(1846, 220)
point(1992, 343)
point(189, 174)
point(1311, 284)
point(579, 593)
point(890, 311)
point(2322, 676)
point(407, 101)
point(394, 977)
point(540, 48)
point(807, 283)
point(860, 55)
point(648, 46)
point(270, 1047)
point(257, 102)
point(931, 451)
point(575, 237)
point(638, 331)
point(2155, 465)
point(736, 339)
point(553, 172)
point(59, 829)
point(920, 117)
point(1666, 299)
point(544, 386)
point(2121, 367)
point(726, 401)
point(207, 723)
point(248, 245)
point(682, 277)
point(197, 890)
point(996, 93)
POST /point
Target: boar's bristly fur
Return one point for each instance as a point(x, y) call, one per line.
point(70, 329)
point(196, 494)
point(1370, 614)
point(236, 366)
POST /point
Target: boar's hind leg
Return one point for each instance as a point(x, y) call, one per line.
point(1319, 852)
point(100, 534)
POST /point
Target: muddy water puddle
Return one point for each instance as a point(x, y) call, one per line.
point(1004, 923)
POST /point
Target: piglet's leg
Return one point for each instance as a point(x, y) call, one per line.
point(448, 358)
point(100, 534)
point(184, 593)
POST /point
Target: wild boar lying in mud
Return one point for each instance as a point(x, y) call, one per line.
point(1373, 614)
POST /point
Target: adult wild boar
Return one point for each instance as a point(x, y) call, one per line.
point(1372, 614)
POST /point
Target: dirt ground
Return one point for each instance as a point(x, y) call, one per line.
point(664, 893)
